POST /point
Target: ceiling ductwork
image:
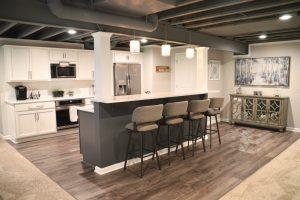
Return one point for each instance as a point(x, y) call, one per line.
point(97, 17)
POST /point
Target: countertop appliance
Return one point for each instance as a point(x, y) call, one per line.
point(21, 92)
point(63, 113)
point(63, 70)
point(127, 79)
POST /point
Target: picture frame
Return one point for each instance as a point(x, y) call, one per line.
point(214, 70)
point(262, 71)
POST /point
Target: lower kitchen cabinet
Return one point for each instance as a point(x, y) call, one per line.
point(31, 119)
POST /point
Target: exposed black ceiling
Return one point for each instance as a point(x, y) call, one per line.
point(240, 20)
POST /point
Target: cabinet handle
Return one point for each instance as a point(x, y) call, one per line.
point(35, 117)
point(38, 116)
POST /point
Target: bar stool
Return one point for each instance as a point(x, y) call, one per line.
point(173, 118)
point(144, 120)
point(197, 110)
point(213, 111)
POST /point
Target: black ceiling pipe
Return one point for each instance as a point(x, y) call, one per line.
point(97, 17)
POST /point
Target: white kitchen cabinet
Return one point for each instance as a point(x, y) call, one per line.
point(46, 121)
point(40, 66)
point(63, 55)
point(31, 120)
point(85, 65)
point(126, 57)
point(26, 124)
point(19, 64)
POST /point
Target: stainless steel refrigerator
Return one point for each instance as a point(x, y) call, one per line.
point(127, 79)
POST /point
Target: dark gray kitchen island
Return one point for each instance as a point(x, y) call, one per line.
point(103, 137)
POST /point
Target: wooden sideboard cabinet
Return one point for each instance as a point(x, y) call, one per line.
point(263, 111)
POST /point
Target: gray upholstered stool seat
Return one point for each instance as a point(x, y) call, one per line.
point(195, 116)
point(144, 120)
point(173, 121)
point(142, 127)
point(197, 110)
point(213, 111)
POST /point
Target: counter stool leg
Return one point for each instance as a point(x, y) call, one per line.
point(155, 149)
point(169, 143)
point(189, 136)
point(203, 138)
point(127, 150)
point(209, 131)
point(156, 140)
point(181, 141)
point(142, 153)
point(217, 123)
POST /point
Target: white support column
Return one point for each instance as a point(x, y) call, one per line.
point(103, 65)
point(202, 67)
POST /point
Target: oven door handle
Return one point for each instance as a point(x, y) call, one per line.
point(62, 108)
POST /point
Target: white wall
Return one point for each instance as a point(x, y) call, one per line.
point(2, 95)
point(153, 81)
point(292, 49)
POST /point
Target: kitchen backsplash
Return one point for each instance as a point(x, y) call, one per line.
point(84, 88)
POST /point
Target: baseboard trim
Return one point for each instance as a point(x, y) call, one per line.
point(120, 165)
point(297, 130)
point(5, 137)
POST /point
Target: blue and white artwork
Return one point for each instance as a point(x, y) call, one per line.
point(268, 71)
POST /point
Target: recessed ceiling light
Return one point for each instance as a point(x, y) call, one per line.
point(72, 31)
point(262, 36)
point(285, 17)
point(144, 40)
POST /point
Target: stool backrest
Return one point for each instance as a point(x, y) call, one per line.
point(175, 109)
point(199, 106)
point(216, 102)
point(147, 114)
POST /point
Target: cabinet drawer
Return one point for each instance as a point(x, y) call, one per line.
point(34, 106)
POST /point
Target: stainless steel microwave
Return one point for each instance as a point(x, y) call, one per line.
point(63, 70)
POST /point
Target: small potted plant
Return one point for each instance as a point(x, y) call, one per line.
point(58, 93)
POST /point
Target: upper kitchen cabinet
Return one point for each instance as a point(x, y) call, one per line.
point(40, 67)
point(17, 62)
point(26, 63)
point(66, 55)
point(85, 65)
point(126, 57)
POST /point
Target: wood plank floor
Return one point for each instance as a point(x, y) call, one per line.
point(206, 176)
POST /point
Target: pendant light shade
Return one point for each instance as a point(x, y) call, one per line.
point(135, 46)
point(165, 50)
point(189, 52)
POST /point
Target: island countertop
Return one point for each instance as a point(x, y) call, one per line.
point(141, 97)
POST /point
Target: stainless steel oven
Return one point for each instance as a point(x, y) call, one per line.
point(63, 70)
point(63, 113)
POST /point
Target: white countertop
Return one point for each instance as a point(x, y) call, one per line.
point(47, 99)
point(140, 97)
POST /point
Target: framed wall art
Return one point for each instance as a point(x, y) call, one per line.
point(267, 71)
point(214, 70)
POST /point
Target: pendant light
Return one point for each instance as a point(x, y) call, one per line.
point(134, 45)
point(189, 51)
point(166, 48)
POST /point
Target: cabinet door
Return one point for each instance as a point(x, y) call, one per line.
point(275, 110)
point(261, 110)
point(46, 121)
point(70, 55)
point(40, 67)
point(26, 124)
point(248, 109)
point(85, 65)
point(57, 55)
point(20, 63)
